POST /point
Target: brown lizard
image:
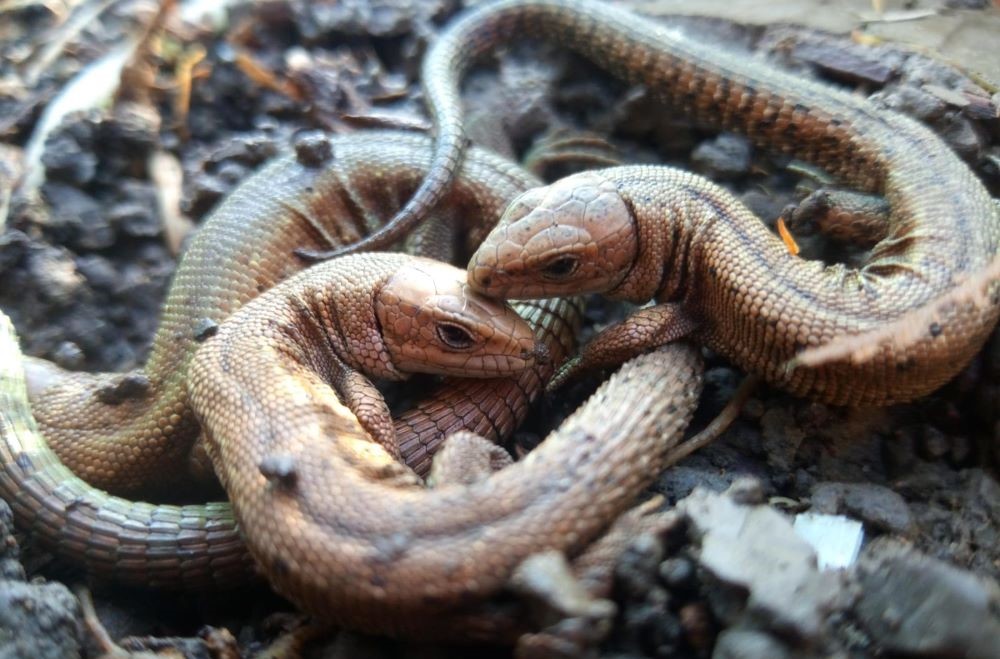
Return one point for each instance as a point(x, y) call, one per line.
point(133, 433)
point(719, 275)
point(346, 531)
point(192, 546)
point(371, 563)
point(641, 233)
point(425, 320)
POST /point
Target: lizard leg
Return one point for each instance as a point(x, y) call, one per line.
point(642, 331)
point(565, 152)
point(844, 215)
point(467, 458)
point(358, 393)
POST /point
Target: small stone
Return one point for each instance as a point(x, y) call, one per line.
point(963, 135)
point(232, 172)
point(13, 246)
point(962, 450)
point(899, 450)
point(722, 383)
point(748, 644)
point(39, 621)
point(56, 275)
point(249, 149)
point(206, 190)
point(133, 129)
point(640, 561)
point(99, 272)
point(878, 507)
point(724, 157)
point(913, 101)
point(847, 61)
point(135, 219)
point(65, 160)
point(697, 625)
point(934, 444)
point(10, 567)
point(782, 436)
point(747, 491)
point(76, 218)
point(677, 573)
point(69, 355)
point(917, 606)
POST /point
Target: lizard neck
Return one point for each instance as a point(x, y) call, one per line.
point(353, 330)
point(665, 229)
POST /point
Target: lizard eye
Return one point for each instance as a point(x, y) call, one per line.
point(560, 267)
point(455, 337)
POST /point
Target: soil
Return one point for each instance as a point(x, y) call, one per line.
point(84, 268)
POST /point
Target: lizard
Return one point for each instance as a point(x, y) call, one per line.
point(288, 199)
point(341, 527)
point(132, 433)
point(429, 321)
point(198, 546)
point(718, 275)
point(515, 512)
point(716, 272)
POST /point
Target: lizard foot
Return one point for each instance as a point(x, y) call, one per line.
point(644, 330)
point(466, 458)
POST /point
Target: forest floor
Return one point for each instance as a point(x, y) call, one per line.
point(111, 177)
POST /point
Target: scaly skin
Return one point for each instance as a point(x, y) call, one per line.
point(197, 547)
point(736, 287)
point(344, 530)
point(643, 232)
point(584, 473)
point(428, 321)
point(111, 538)
point(194, 547)
point(142, 443)
point(864, 146)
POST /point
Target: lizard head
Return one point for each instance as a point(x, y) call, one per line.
point(575, 236)
point(432, 322)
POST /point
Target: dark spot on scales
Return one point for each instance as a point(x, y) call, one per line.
point(391, 547)
point(279, 470)
point(279, 566)
point(78, 502)
point(127, 387)
point(204, 329)
point(313, 149)
point(935, 330)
